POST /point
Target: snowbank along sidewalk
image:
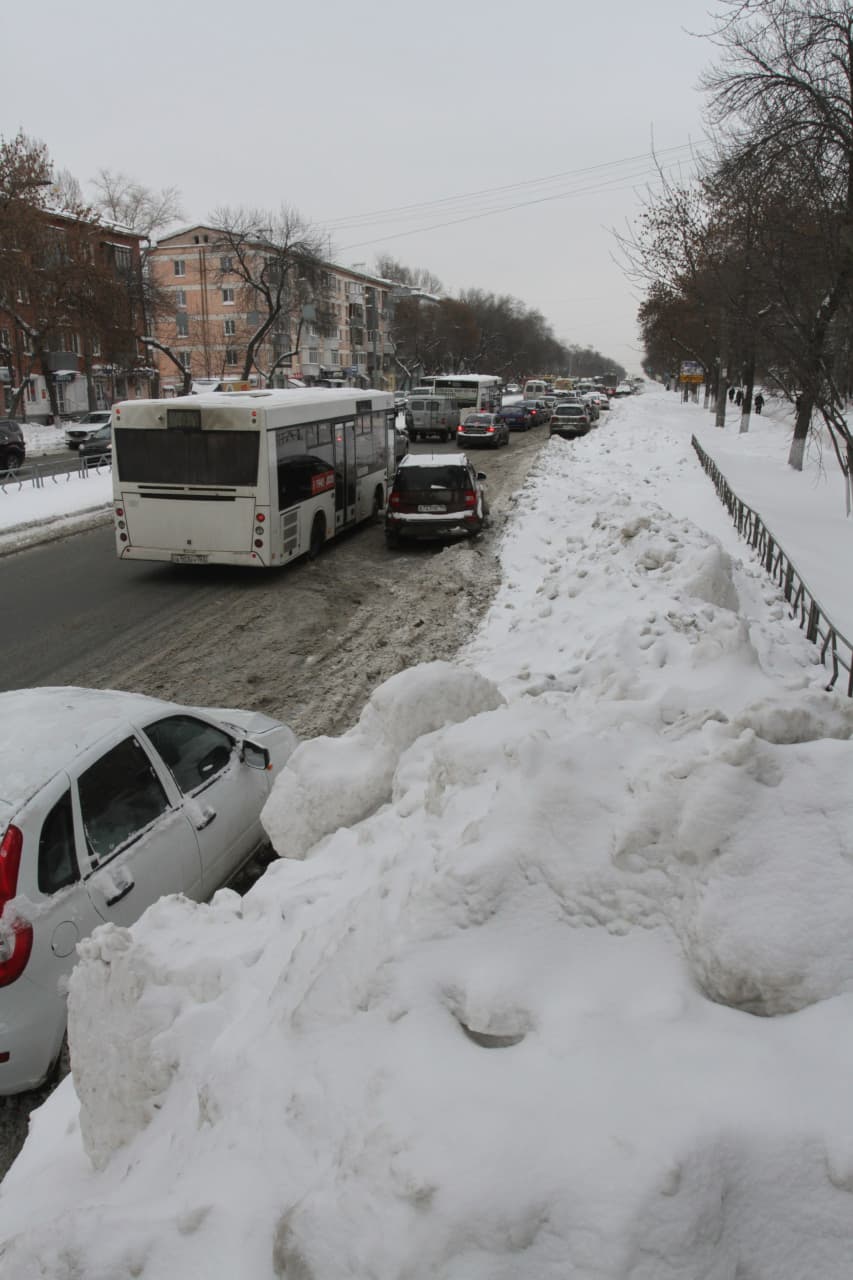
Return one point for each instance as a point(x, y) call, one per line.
point(554, 976)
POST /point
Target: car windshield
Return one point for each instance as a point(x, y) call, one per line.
point(478, 420)
point(411, 479)
point(99, 417)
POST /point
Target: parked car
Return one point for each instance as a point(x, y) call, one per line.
point(13, 449)
point(109, 801)
point(537, 411)
point(99, 446)
point(85, 428)
point(435, 494)
point(516, 417)
point(624, 389)
point(591, 402)
point(483, 428)
point(512, 389)
point(569, 420)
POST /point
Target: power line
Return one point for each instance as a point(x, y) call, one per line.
point(397, 211)
point(521, 204)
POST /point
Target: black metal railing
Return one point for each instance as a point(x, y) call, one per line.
point(835, 649)
point(37, 474)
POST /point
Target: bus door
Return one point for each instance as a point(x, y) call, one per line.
point(345, 474)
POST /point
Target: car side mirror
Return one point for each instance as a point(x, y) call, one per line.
point(254, 756)
point(481, 475)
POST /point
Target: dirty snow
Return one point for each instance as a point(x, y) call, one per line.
point(554, 976)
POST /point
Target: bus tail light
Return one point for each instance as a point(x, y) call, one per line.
point(16, 935)
point(260, 517)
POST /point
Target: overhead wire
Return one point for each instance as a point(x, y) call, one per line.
point(395, 212)
point(618, 182)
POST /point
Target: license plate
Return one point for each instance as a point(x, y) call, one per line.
point(432, 507)
point(188, 557)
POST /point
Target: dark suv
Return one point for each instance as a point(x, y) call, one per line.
point(433, 495)
point(12, 447)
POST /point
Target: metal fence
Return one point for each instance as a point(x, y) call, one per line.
point(836, 650)
point(39, 474)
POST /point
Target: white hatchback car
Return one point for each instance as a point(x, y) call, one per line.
point(108, 801)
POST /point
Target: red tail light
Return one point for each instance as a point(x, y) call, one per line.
point(490, 431)
point(16, 936)
point(469, 497)
point(393, 499)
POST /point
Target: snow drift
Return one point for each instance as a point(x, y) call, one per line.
point(557, 978)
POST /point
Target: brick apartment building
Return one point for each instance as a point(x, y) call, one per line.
point(78, 367)
point(210, 320)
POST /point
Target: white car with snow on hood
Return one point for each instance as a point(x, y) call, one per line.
point(108, 801)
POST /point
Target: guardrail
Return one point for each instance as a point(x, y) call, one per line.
point(834, 647)
point(38, 473)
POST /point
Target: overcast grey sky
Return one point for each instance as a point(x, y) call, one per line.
point(348, 112)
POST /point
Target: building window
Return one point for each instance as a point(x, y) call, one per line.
point(182, 325)
point(313, 355)
point(122, 259)
point(226, 263)
point(96, 347)
point(180, 267)
point(74, 343)
point(230, 355)
point(335, 357)
point(228, 295)
point(186, 358)
point(180, 297)
point(5, 339)
point(230, 327)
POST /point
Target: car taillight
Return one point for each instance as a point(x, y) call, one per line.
point(469, 497)
point(393, 499)
point(16, 936)
point(490, 431)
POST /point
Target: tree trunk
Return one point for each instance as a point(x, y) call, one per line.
point(805, 403)
point(746, 407)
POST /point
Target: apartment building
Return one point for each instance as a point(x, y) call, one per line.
point(339, 330)
point(59, 354)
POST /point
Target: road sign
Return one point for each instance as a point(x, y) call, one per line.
point(691, 371)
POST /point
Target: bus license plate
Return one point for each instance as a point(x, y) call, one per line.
point(432, 507)
point(188, 557)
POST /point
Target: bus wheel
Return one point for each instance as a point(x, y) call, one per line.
point(318, 536)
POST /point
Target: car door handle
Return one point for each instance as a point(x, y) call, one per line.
point(205, 820)
point(120, 893)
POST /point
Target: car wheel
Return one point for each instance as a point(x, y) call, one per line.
point(318, 536)
point(392, 537)
point(12, 460)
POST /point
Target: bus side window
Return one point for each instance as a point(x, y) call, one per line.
point(298, 479)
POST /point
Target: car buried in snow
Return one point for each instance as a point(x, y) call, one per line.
point(109, 801)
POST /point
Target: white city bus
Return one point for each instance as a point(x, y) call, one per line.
point(253, 478)
point(473, 392)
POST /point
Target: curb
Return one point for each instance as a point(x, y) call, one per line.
point(22, 537)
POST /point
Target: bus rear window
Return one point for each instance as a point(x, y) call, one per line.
point(147, 455)
point(417, 479)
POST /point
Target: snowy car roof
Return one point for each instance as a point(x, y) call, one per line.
point(44, 730)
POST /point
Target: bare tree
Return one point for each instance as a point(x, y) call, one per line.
point(276, 260)
point(413, 277)
point(784, 83)
point(142, 209)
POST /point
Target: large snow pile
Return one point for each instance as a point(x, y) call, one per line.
point(569, 994)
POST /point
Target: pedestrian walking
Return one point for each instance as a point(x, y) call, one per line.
point(731, 393)
point(759, 403)
point(738, 397)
